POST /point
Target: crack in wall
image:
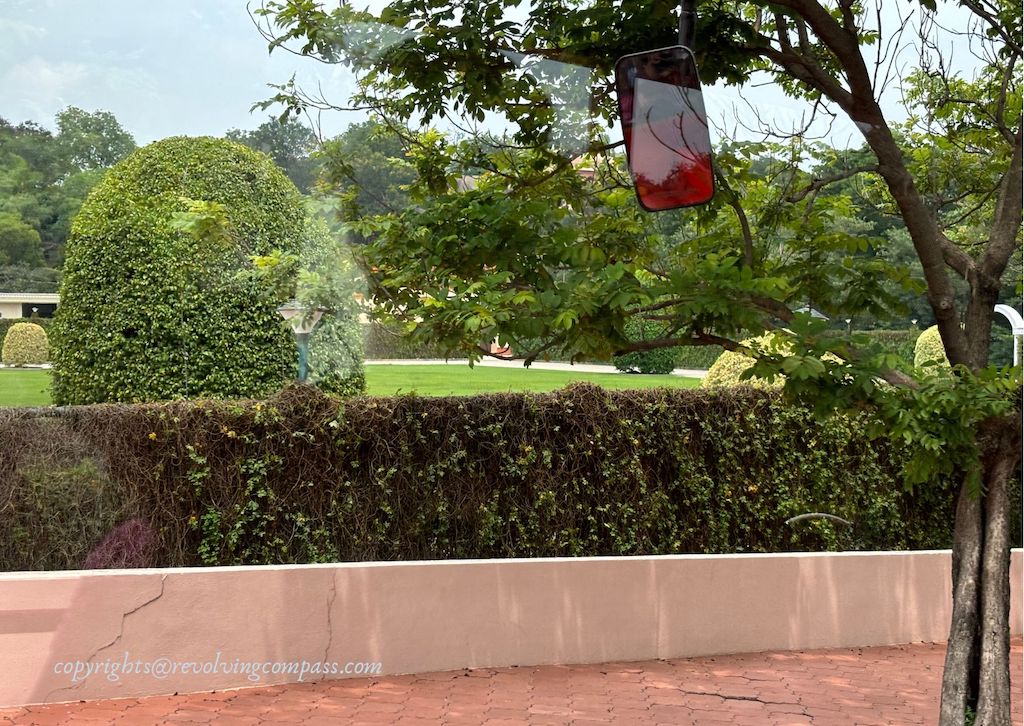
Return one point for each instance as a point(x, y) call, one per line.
point(330, 624)
point(117, 638)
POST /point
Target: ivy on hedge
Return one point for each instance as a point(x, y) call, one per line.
point(309, 478)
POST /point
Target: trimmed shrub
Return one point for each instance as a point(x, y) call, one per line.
point(306, 477)
point(698, 357)
point(657, 361)
point(726, 371)
point(898, 342)
point(929, 348)
point(151, 312)
point(25, 344)
point(7, 323)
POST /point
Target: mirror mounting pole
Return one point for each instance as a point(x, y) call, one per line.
point(687, 23)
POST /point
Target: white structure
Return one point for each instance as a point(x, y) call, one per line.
point(20, 304)
point(1017, 326)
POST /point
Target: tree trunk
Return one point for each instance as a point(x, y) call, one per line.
point(994, 667)
point(959, 675)
point(977, 670)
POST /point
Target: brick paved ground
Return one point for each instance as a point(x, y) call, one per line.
point(897, 685)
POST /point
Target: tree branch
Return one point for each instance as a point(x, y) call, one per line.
point(1007, 222)
point(733, 200)
point(994, 23)
point(821, 182)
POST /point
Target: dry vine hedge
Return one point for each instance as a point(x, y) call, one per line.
point(308, 478)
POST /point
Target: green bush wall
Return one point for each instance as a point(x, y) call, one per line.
point(306, 477)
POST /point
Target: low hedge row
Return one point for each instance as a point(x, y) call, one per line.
point(581, 471)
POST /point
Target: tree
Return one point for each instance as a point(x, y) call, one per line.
point(45, 178)
point(569, 277)
point(289, 143)
point(92, 140)
point(19, 243)
point(159, 298)
point(366, 166)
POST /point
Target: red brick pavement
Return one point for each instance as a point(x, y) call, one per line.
point(893, 685)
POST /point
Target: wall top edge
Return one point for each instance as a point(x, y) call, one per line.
point(577, 561)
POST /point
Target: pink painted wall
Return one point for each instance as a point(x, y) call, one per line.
point(428, 616)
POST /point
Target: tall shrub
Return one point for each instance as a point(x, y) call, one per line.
point(151, 310)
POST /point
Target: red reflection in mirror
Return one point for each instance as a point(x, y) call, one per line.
point(665, 128)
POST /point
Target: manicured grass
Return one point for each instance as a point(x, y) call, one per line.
point(31, 387)
point(461, 380)
point(24, 387)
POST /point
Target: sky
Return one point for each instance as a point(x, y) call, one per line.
point(195, 67)
point(162, 67)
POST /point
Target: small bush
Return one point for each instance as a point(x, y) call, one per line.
point(726, 371)
point(929, 348)
point(8, 323)
point(657, 361)
point(25, 344)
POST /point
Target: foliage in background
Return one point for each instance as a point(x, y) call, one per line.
point(659, 360)
point(159, 298)
point(387, 341)
point(19, 243)
point(289, 143)
point(45, 177)
point(308, 478)
point(23, 278)
point(25, 344)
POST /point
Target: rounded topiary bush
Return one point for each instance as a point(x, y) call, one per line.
point(150, 311)
point(929, 348)
point(726, 371)
point(25, 344)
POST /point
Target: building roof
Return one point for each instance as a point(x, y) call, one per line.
point(30, 297)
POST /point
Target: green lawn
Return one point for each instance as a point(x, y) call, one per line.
point(461, 380)
point(31, 387)
point(24, 387)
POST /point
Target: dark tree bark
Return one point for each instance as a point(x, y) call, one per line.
point(961, 651)
point(994, 667)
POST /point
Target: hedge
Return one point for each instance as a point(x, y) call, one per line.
point(309, 478)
